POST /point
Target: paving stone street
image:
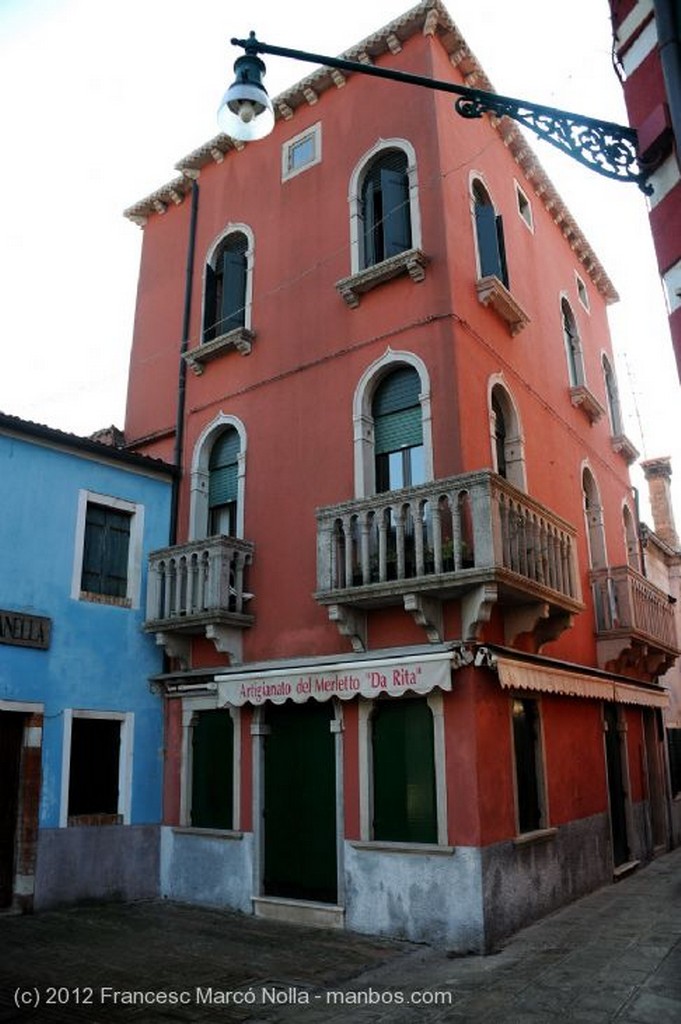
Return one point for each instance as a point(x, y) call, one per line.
point(613, 956)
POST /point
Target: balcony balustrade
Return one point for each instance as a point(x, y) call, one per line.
point(473, 534)
point(199, 588)
point(635, 623)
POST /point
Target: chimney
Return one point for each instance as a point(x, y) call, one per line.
point(658, 473)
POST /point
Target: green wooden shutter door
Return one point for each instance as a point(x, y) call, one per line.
point(223, 469)
point(488, 241)
point(106, 545)
point(233, 311)
point(404, 771)
point(210, 314)
point(212, 770)
point(397, 412)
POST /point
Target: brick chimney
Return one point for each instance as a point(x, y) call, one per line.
point(658, 473)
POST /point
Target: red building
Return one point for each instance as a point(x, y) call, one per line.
point(647, 45)
point(412, 682)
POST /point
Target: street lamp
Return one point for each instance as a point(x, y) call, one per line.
point(610, 149)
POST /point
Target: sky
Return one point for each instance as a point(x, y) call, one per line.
point(102, 97)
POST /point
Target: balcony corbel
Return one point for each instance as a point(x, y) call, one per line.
point(226, 640)
point(351, 623)
point(476, 608)
point(537, 619)
point(427, 612)
point(175, 646)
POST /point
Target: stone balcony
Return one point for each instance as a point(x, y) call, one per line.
point(635, 623)
point(199, 589)
point(473, 538)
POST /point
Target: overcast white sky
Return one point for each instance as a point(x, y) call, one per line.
point(100, 99)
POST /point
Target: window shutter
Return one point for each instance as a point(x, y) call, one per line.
point(223, 469)
point(371, 215)
point(501, 249)
point(488, 240)
point(210, 305)
point(105, 551)
point(404, 772)
point(212, 761)
point(396, 220)
point(397, 412)
point(233, 308)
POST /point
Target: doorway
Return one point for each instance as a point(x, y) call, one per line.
point(616, 785)
point(300, 855)
point(11, 740)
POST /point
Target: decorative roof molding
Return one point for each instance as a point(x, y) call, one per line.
point(429, 17)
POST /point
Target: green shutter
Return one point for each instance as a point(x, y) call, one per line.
point(397, 412)
point(488, 238)
point(233, 308)
point(396, 219)
point(212, 770)
point(105, 551)
point(404, 771)
point(223, 469)
point(210, 313)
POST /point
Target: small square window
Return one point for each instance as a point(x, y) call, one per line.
point(301, 152)
point(582, 293)
point(96, 768)
point(524, 207)
point(108, 552)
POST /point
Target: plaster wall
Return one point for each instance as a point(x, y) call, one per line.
point(436, 897)
point(214, 869)
point(113, 862)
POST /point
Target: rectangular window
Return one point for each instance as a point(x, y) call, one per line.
point(108, 554)
point(674, 745)
point(524, 207)
point(528, 765)
point(95, 772)
point(212, 770)
point(301, 152)
point(404, 789)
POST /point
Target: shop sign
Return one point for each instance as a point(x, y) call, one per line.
point(352, 679)
point(22, 630)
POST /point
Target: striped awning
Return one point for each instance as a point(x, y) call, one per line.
point(521, 675)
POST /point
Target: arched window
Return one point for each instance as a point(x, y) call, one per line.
point(613, 398)
point(218, 480)
point(593, 513)
point(398, 430)
point(573, 345)
point(225, 298)
point(223, 473)
point(631, 539)
point(508, 447)
point(489, 232)
point(384, 208)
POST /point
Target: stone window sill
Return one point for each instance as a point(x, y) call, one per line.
point(493, 293)
point(412, 262)
point(621, 445)
point(383, 846)
point(117, 602)
point(241, 339)
point(540, 835)
point(207, 833)
point(583, 399)
point(96, 820)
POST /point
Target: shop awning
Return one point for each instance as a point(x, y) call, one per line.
point(353, 678)
point(521, 675)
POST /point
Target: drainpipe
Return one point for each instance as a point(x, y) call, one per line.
point(668, 20)
point(182, 372)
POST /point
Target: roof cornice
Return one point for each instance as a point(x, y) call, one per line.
point(431, 18)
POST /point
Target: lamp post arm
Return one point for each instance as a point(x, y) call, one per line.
point(608, 148)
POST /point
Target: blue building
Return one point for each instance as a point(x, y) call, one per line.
point(81, 731)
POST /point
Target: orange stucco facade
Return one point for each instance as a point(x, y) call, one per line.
point(296, 395)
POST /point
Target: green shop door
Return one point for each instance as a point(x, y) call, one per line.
point(300, 802)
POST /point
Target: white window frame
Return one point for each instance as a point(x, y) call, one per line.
point(524, 207)
point(134, 570)
point(515, 442)
point(125, 759)
point(315, 133)
point(582, 293)
point(190, 706)
point(435, 701)
point(363, 421)
point(200, 474)
point(355, 198)
point(576, 372)
point(232, 229)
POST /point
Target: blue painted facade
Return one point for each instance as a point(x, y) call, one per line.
point(99, 662)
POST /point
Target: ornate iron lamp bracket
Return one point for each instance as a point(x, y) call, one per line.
point(605, 147)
